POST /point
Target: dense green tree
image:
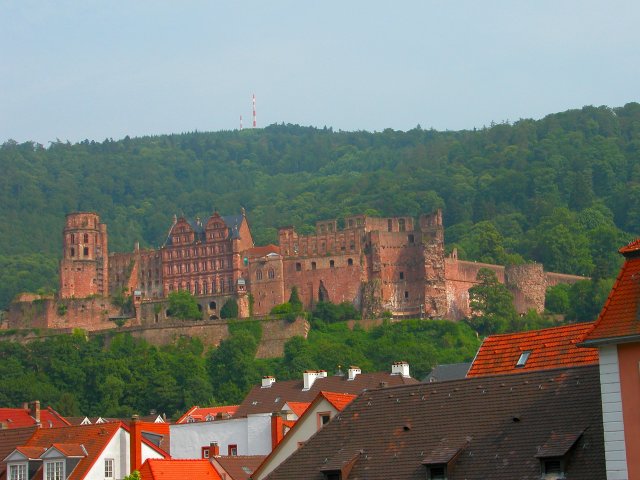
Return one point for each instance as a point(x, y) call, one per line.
point(229, 309)
point(183, 306)
point(491, 304)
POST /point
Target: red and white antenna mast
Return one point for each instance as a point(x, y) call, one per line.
point(240, 122)
point(255, 124)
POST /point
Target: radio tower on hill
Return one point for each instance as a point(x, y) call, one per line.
point(254, 111)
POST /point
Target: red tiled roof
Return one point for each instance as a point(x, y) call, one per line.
point(178, 469)
point(31, 452)
point(262, 251)
point(199, 414)
point(298, 407)
point(338, 400)
point(238, 467)
point(620, 317)
point(70, 449)
point(550, 348)
point(94, 438)
point(20, 417)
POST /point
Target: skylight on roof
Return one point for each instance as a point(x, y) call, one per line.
point(523, 358)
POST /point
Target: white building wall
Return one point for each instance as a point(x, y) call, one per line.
point(118, 449)
point(251, 434)
point(306, 427)
point(614, 447)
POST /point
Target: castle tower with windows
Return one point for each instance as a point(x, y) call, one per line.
point(84, 264)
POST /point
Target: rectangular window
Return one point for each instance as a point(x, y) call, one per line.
point(401, 275)
point(323, 419)
point(205, 452)
point(18, 472)
point(55, 470)
point(233, 450)
point(108, 468)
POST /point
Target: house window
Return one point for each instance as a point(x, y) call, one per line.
point(205, 452)
point(436, 472)
point(108, 468)
point(233, 450)
point(323, 419)
point(522, 361)
point(18, 472)
point(552, 468)
point(54, 470)
point(272, 273)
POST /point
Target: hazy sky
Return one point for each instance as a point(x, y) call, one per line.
point(79, 69)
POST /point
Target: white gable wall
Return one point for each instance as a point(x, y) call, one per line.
point(251, 434)
point(118, 449)
point(306, 427)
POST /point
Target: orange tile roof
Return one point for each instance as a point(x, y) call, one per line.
point(94, 439)
point(238, 467)
point(338, 400)
point(619, 319)
point(550, 348)
point(20, 417)
point(178, 469)
point(298, 407)
point(199, 414)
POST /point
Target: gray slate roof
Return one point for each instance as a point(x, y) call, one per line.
point(450, 371)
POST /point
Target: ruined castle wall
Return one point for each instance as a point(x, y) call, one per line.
point(266, 283)
point(333, 278)
point(401, 270)
point(460, 277)
point(90, 314)
point(552, 279)
point(528, 285)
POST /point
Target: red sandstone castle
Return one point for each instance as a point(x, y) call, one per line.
point(394, 264)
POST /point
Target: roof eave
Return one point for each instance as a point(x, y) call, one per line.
point(596, 342)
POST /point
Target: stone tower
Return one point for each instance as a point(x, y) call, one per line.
point(84, 264)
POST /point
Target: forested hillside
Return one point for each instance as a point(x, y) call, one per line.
point(124, 376)
point(564, 190)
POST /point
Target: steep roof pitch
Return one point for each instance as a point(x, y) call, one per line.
point(338, 400)
point(619, 320)
point(94, 438)
point(449, 371)
point(238, 467)
point(21, 417)
point(271, 399)
point(298, 407)
point(488, 427)
point(549, 348)
point(178, 469)
point(9, 439)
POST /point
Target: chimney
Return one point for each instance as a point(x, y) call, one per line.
point(277, 429)
point(214, 449)
point(310, 376)
point(353, 372)
point(34, 410)
point(135, 443)
point(400, 368)
point(268, 381)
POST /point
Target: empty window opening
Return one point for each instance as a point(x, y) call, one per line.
point(389, 225)
point(401, 225)
point(411, 238)
point(437, 472)
point(350, 262)
point(233, 450)
point(298, 267)
point(401, 275)
point(73, 252)
point(406, 294)
point(523, 358)
point(313, 265)
point(332, 264)
point(85, 251)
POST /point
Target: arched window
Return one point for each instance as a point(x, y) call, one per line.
point(86, 238)
point(73, 252)
point(350, 262)
point(73, 238)
point(259, 275)
point(272, 274)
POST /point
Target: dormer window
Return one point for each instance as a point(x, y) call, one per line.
point(523, 359)
point(437, 472)
point(18, 471)
point(54, 470)
point(552, 468)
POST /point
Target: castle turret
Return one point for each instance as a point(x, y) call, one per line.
point(84, 264)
